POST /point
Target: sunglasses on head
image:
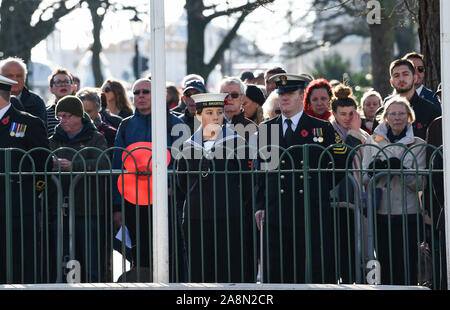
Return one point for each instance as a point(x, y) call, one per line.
point(233, 95)
point(421, 69)
point(138, 92)
point(107, 89)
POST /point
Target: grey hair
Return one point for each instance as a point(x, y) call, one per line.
point(91, 94)
point(16, 60)
point(233, 81)
point(399, 100)
point(141, 80)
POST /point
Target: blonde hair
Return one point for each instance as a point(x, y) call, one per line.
point(399, 100)
point(369, 93)
point(270, 104)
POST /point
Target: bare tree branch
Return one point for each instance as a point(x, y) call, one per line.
point(250, 6)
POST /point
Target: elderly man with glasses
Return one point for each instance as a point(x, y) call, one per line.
point(233, 115)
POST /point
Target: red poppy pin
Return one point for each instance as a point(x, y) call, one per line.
point(226, 101)
point(304, 133)
point(419, 126)
point(5, 121)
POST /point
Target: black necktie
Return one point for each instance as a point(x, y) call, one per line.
point(289, 134)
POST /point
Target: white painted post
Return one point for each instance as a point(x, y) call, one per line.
point(445, 97)
point(159, 143)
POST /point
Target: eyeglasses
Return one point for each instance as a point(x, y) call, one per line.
point(421, 69)
point(62, 83)
point(139, 91)
point(233, 95)
point(399, 114)
point(64, 117)
point(107, 89)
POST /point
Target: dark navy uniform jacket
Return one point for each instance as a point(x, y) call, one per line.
point(23, 132)
point(287, 196)
point(216, 215)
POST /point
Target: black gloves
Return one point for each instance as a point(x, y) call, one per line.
point(395, 163)
point(377, 164)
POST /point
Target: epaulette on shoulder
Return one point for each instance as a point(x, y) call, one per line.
point(339, 149)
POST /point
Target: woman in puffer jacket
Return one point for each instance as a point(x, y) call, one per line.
point(399, 216)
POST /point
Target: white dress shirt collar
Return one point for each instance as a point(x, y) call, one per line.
point(3, 111)
point(295, 120)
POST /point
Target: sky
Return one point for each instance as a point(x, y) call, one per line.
point(266, 26)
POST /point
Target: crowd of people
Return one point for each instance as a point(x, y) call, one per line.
point(219, 200)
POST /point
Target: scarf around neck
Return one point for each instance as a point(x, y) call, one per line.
point(342, 132)
point(393, 138)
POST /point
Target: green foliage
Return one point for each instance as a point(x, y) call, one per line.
point(335, 67)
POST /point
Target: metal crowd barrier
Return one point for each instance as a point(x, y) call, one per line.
point(237, 249)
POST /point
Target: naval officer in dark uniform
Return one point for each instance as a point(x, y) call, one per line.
point(292, 199)
point(19, 221)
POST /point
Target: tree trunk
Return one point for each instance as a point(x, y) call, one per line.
point(430, 41)
point(96, 48)
point(197, 22)
point(382, 48)
point(406, 39)
point(382, 51)
point(17, 35)
point(195, 51)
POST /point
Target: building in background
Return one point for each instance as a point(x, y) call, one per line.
point(117, 58)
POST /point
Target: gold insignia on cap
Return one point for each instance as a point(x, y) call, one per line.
point(283, 80)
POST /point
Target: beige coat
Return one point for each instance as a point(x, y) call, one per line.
point(414, 158)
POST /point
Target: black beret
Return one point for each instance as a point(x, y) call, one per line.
point(255, 93)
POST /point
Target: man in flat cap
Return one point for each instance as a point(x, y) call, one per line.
point(19, 205)
point(296, 206)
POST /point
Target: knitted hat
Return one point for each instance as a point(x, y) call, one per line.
point(70, 104)
point(254, 93)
